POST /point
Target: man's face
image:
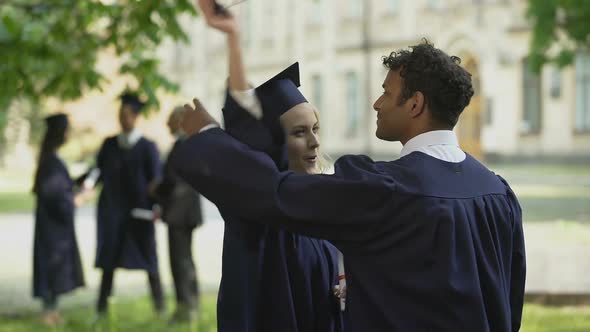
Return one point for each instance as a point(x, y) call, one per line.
point(127, 118)
point(393, 118)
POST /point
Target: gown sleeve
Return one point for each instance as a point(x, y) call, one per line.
point(99, 164)
point(339, 207)
point(518, 267)
point(55, 188)
point(153, 162)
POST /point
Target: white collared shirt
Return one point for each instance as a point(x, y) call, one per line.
point(440, 144)
point(179, 134)
point(127, 140)
point(248, 100)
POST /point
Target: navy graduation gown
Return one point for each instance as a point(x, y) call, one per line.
point(57, 267)
point(123, 241)
point(429, 245)
point(299, 273)
point(272, 280)
point(241, 272)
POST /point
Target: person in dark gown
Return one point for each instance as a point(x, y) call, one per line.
point(274, 280)
point(129, 167)
point(57, 268)
point(432, 241)
point(181, 211)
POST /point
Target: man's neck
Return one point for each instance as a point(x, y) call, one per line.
point(420, 131)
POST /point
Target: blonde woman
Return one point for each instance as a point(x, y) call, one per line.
point(273, 280)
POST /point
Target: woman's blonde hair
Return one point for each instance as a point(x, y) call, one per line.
point(323, 158)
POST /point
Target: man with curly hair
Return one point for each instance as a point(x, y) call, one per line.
point(432, 241)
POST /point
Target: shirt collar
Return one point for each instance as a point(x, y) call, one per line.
point(179, 135)
point(430, 138)
point(129, 139)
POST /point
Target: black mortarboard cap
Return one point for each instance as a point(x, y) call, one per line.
point(58, 121)
point(280, 93)
point(132, 99)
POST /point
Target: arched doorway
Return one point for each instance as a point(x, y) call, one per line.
point(470, 122)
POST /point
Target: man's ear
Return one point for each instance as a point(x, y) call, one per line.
point(417, 104)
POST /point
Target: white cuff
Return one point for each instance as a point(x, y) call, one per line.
point(207, 127)
point(248, 100)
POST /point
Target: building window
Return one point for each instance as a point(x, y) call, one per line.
point(316, 12)
point(246, 23)
point(392, 6)
point(268, 14)
point(555, 88)
point(316, 82)
point(531, 108)
point(489, 111)
point(582, 64)
point(432, 4)
point(352, 104)
point(354, 8)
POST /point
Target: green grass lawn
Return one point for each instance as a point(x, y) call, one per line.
point(12, 202)
point(549, 192)
point(137, 315)
point(537, 318)
point(128, 315)
point(15, 192)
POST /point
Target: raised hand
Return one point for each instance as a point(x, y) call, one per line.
point(224, 21)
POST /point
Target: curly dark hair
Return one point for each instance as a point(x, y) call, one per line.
point(446, 86)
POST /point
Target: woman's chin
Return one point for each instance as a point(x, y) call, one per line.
point(311, 168)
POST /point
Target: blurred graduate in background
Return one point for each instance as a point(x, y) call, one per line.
point(181, 211)
point(129, 166)
point(57, 268)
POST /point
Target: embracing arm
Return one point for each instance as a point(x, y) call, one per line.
point(339, 207)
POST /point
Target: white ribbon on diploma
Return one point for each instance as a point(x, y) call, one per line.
point(341, 280)
point(142, 214)
point(91, 179)
point(147, 215)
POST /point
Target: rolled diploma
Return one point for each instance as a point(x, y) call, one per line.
point(341, 280)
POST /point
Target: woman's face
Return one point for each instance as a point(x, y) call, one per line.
point(302, 130)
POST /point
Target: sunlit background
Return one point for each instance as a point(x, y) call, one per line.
point(531, 127)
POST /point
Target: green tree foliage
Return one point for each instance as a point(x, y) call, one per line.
point(560, 28)
point(49, 48)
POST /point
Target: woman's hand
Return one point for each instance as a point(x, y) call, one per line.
point(224, 22)
point(83, 197)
